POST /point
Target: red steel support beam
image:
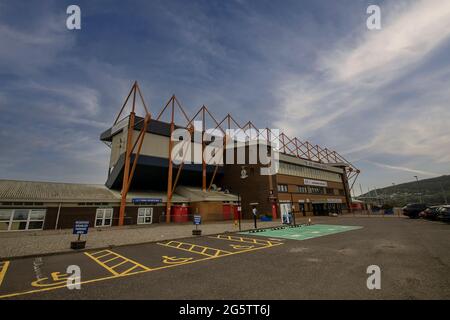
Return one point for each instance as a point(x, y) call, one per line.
point(169, 178)
point(203, 151)
point(126, 169)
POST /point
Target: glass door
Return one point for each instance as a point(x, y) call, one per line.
point(285, 210)
point(103, 217)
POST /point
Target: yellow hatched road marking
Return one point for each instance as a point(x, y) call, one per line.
point(62, 286)
point(102, 264)
point(246, 240)
point(101, 251)
point(119, 264)
point(116, 255)
point(103, 255)
point(128, 270)
point(3, 268)
point(111, 259)
point(189, 247)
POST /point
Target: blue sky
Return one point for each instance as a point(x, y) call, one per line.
point(311, 68)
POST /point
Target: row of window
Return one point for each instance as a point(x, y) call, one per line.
point(307, 172)
point(21, 219)
point(33, 219)
point(312, 190)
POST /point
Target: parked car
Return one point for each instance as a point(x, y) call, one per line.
point(430, 212)
point(412, 210)
point(444, 213)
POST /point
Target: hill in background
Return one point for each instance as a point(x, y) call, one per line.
point(433, 191)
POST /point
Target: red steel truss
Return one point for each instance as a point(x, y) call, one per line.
point(290, 146)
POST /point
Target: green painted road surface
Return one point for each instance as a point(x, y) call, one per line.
point(304, 232)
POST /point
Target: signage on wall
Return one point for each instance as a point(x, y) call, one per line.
point(316, 183)
point(315, 165)
point(146, 200)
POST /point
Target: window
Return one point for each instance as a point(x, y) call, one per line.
point(316, 190)
point(5, 217)
point(103, 217)
point(341, 192)
point(302, 189)
point(330, 191)
point(22, 219)
point(307, 172)
point(282, 188)
point(145, 216)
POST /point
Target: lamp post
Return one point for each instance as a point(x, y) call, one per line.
point(243, 176)
point(293, 209)
point(418, 184)
point(239, 209)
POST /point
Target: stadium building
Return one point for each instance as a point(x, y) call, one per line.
point(144, 186)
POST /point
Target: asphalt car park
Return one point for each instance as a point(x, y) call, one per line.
point(322, 261)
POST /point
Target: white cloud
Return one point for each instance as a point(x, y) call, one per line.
point(355, 98)
point(31, 50)
point(401, 168)
point(406, 38)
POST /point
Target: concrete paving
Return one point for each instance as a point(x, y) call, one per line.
point(17, 244)
point(413, 256)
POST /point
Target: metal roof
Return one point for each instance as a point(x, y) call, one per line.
point(17, 191)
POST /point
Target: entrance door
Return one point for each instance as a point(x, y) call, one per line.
point(315, 211)
point(319, 209)
point(285, 210)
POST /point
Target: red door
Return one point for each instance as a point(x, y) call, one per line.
point(274, 211)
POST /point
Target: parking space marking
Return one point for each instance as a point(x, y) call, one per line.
point(175, 260)
point(247, 240)
point(241, 246)
point(189, 247)
point(96, 256)
point(113, 256)
point(57, 278)
point(3, 268)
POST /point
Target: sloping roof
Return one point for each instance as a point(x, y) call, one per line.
point(17, 191)
point(50, 191)
point(197, 194)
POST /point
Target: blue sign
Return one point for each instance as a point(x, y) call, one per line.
point(197, 219)
point(81, 227)
point(146, 200)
